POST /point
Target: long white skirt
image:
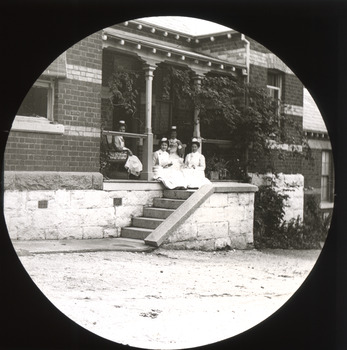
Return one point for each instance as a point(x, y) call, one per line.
point(195, 178)
point(171, 177)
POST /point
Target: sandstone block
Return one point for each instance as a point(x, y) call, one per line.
point(40, 195)
point(221, 243)
point(92, 232)
point(219, 200)
point(71, 217)
point(52, 233)
point(128, 211)
point(235, 214)
point(122, 222)
point(238, 242)
point(111, 232)
point(98, 217)
point(213, 214)
point(44, 218)
point(90, 199)
point(244, 198)
point(185, 232)
point(212, 230)
point(233, 199)
point(97, 181)
point(9, 181)
point(205, 245)
point(246, 226)
point(139, 198)
point(14, 200)
point(70, 233)
point(30, 234)
point(62, 200)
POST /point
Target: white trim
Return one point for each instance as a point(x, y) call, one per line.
point(326, 205)
point(36, 125)
point(293, 110)
point(85, 74)
point(272, 144)
point(49, 85)
point(84, 131)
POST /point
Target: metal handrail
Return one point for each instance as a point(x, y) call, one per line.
point(125, 134)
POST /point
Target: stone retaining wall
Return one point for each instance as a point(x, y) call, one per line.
point(78, 214)
point(224, 220)
point(288, 184)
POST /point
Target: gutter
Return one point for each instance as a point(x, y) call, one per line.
point(247, 46)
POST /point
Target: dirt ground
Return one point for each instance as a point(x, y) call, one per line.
point(169, 299)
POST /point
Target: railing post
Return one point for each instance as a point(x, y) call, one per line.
point(148, 142)
point(196, 133)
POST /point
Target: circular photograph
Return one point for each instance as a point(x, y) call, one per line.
point(169, 183)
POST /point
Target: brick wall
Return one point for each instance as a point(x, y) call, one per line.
point(292, 90)
point(77, 106)
point(26, 151)
point(258, 75)
point(312, 170)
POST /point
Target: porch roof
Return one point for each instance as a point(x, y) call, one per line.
point(166, 48)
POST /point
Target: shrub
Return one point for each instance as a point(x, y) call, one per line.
point(270, 231)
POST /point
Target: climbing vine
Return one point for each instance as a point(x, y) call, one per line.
point(123, 90)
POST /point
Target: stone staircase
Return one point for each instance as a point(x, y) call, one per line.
point(153, 216)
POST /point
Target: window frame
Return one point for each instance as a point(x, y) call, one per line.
point(49, 84)
point(278, 87)
point(327, 177)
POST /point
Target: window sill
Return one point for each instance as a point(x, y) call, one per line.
point(326, 205)
point(36, 125)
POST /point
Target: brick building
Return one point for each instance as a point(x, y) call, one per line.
point(319, 171)
point(55, 140)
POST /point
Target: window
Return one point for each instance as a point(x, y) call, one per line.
point(327, 183)
point(39, 101)
point(274, 87)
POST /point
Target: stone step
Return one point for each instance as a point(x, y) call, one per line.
point(135, 232)
point(144, 222)
point(167, 203)
point(178, 194)
point(159, 213)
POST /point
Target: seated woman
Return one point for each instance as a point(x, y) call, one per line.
point(118, 140)
point(195, 165)
point(132, 164)
point(176, 149)
point(163, 169)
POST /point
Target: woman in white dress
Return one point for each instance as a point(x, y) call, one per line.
point(164, 169)
point(176, 148)
point(132, 164)
point(195, 165)
point(118, 140)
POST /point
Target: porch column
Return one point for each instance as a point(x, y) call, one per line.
point(148, 144)
point(196, 133)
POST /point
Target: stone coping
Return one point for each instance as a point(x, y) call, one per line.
point(56, 180)
point(132, 185)
point(51, 181)
point(228, 187)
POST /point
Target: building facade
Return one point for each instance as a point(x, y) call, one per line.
point(59, 128)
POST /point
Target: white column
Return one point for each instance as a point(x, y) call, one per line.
point(196, 133)
point(148, 144)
